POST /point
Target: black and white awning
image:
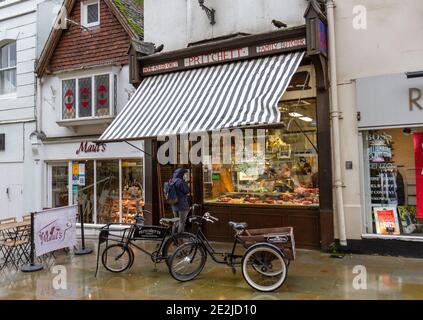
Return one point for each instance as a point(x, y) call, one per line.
point(206, 99)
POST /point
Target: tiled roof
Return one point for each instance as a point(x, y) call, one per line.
point(133, 12)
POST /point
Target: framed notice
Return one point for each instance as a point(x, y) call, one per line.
point(386, 220)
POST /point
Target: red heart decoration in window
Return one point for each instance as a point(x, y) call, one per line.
point(85, 97)
point(69, 99)
point(102, 95)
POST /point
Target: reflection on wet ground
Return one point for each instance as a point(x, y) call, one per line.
point(314, 275)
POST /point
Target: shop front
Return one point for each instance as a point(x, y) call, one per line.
point(391, 128)
point(269, 91)
point(106, 179)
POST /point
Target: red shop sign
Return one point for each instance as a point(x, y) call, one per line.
point(418, 156)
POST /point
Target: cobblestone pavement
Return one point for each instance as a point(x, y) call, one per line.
point(314, 275)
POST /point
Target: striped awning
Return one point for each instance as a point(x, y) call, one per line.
point(223, 96)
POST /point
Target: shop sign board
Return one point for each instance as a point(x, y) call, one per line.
point(418, 158)
point(225, 55)
point(386, 219)
point(389, 101)
point(55, 229)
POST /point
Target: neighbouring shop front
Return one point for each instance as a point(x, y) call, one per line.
point(273, 84)
point(391, 126)
point(106, 179)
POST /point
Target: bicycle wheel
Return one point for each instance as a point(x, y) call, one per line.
point(187, 261)
point(264, 267)
point(174, 241)
point(117, 258)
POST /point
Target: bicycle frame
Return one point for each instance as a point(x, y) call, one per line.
point(229, 258)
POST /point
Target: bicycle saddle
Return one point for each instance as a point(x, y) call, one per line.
point(168, 221)
point(238, 226)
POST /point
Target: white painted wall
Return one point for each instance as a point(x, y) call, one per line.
point(18, 22)
point(392, 43)
point(176, 23)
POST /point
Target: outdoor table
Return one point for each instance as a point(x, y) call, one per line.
point(14, 237)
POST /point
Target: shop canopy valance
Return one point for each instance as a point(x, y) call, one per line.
point(206, 99)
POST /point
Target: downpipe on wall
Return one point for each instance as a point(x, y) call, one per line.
point(335, 116)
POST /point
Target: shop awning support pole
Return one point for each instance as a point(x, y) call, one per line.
point(335, 115)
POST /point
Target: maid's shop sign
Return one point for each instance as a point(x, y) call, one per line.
point(90, 147)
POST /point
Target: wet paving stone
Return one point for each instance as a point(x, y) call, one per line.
point(314, 275)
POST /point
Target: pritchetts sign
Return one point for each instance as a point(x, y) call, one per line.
point(54, 229)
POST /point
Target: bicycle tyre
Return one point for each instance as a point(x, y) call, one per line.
point(175, 238)
point(124, 252)
point(190, 250)
point(264, 249)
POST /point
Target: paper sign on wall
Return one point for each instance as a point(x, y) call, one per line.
point(418, 157)
point(386, 220)
point(81, 174)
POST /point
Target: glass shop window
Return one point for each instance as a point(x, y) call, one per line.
point(59, 186)
point(92, 94)
point(107, 191)
point(132, 189)
point(393, 161)
point(286, 174)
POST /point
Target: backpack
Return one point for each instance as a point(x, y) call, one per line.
point(170, 192)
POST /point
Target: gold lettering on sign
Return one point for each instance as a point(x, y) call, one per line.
point(216, 57)
point(281, 45)
point(162, 66)
point(415, 95)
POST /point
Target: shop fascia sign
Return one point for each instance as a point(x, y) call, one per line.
point(226, 55)
point(86, 147)
point(415, 99)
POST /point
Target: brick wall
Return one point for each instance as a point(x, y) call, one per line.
point(107, 43)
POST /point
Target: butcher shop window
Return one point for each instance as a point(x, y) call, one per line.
point(88, 97)
point(286, 173)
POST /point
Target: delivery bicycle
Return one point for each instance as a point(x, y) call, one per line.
point(264, 264)
point(122, 238)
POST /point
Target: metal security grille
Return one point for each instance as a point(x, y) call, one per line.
point(205, 99)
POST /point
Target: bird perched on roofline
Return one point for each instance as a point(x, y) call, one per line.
point(279, 24)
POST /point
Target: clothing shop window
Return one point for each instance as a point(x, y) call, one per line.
point(286, 174)
point(93, 95)
point(8, 68)
point(393, 160)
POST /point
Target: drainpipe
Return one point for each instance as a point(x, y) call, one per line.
point(335, 116)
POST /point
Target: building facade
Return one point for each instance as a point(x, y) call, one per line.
point(84, 83)
point(379, 85)
point(19, 23)
point(294, 185)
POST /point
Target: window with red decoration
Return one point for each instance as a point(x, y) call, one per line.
point(89, 97)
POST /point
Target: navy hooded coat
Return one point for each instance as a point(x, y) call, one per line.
point(182, 190)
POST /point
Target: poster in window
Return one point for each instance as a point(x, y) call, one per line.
point(102, 106)
point(418, 158)
point(68, 99)
point(386, 220)
point(85, 108)
point(408, 219)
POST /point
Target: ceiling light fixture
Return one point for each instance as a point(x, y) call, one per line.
point(306, 119)
point(295, 114)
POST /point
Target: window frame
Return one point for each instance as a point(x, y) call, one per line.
point(93, 96)
point(84, 13)
point(9, 67)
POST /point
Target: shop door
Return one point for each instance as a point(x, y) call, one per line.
point(58, 180)
point(83, 188)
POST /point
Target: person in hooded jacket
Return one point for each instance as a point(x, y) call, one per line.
point(181, 208)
